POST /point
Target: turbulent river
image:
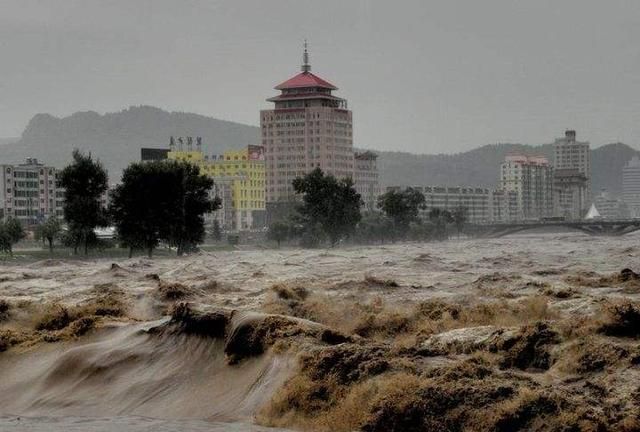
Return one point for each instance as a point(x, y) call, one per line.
point(123, 376)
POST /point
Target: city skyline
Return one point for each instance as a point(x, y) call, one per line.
point(425, 77)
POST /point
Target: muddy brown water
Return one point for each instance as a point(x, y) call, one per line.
point(122, 378)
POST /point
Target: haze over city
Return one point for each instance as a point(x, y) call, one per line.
point(424, 77)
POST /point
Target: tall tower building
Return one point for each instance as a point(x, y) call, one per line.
point(570, 154)
point(631, 186)
point(309, 127)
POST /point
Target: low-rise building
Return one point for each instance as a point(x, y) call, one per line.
point(476, 201)
point(30, 192)
point(240, 171)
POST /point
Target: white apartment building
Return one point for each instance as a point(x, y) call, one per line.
point(531, 179)
point(30, 192)
point(631, 186)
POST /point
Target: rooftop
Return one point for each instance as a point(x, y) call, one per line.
point(305, 79)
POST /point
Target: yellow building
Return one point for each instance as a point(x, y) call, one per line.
point(242, 172)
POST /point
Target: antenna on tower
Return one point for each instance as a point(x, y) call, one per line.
point(306, 67)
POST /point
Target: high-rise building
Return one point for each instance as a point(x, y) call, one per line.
point(366, 179)
point(309, 127)
point(631, 186)
point(531, 178)
point(30, 192)
point(572, 154)
point(239, 176)
point(569, 186)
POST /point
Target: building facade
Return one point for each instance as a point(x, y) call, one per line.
point(531, 178)
point(476, 201)
point(569, 193)
point(240, 179)
point(631, 186)
point(366, 180)
point(483, 205)
point(30, 192)
point(572, 154)
point(505, 206)
point(308, 128)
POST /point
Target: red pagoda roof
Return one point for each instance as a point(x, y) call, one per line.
point(305, 79)
point(303, 96)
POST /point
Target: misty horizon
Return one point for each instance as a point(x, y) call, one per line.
point(423, 78)
point(10, 139)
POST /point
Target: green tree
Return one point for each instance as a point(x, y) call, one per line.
point(279, 231)
point(161, 200)
point(85, 181)
point(459, 216)
point(11, 232)
point(49, 231)
point(189, 196)
point(139, 206)
point(402, 207)
point(329, 205)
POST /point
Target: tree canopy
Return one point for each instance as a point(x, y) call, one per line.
point(11, 232)
point(329, 205)
point(85, 181)
point(402, 207)
point(161, 200)
point(49, 231)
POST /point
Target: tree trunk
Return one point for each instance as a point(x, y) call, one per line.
point(130, 251)
point(51, 245)
point(150, 251)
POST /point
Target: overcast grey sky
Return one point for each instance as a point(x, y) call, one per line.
point(422, 76)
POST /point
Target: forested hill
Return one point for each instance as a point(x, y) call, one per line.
point(116, 138)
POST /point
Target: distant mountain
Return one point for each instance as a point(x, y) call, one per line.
point(606, 165)
point(475, 167)
point(481, 166)
point(116, 138)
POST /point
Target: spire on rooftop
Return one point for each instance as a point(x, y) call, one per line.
point(306, 67)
